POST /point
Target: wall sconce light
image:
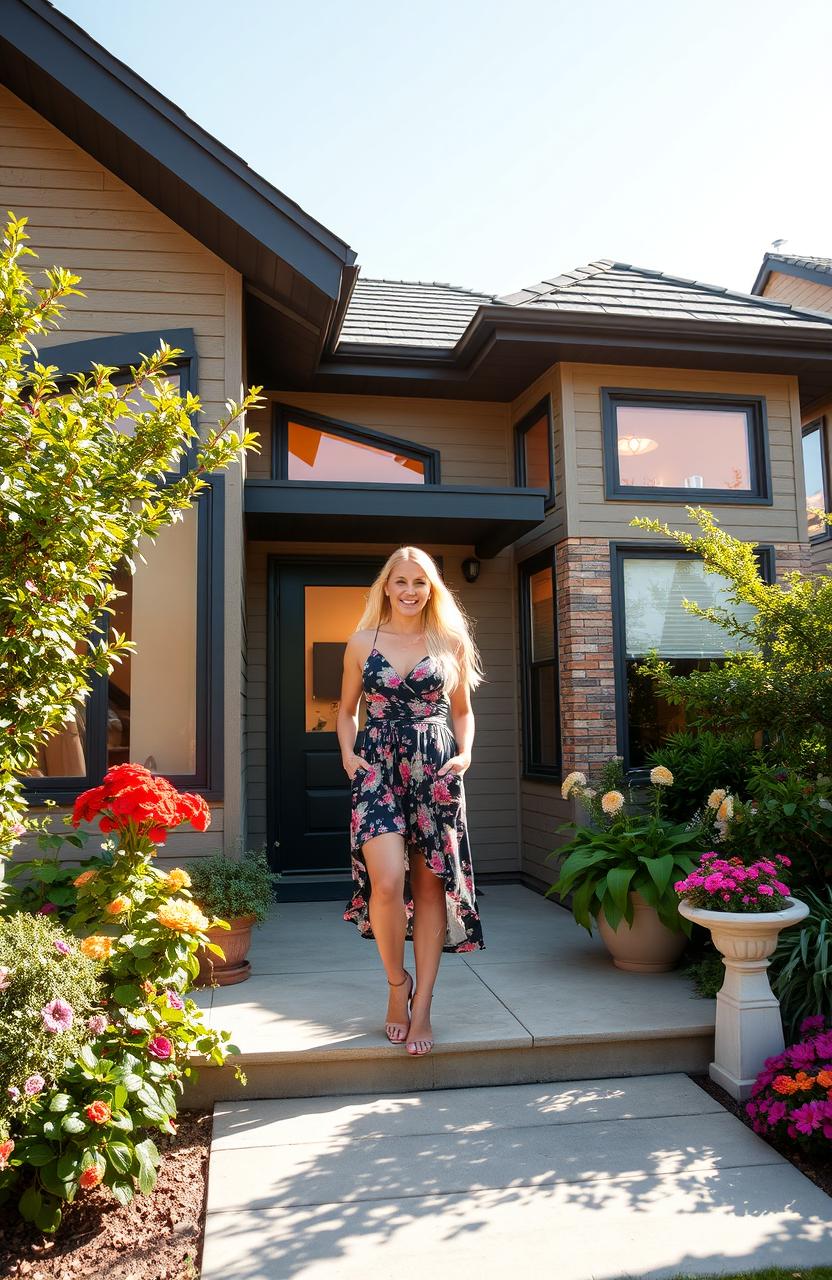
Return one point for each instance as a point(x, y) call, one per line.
point(471, 569)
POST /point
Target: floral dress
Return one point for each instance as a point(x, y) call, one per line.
point(406, 740)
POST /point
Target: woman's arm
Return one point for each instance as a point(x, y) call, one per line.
point(462, 719)
point(346, 725)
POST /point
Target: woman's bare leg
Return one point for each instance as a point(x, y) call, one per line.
point(384, 858)
point(429, 917)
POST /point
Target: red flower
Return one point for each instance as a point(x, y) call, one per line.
point(91, 1176)
point(6, 1148)
point(160, 1047)
point(131, 794)
point(98, 1112)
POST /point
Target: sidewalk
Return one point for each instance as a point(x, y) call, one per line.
point(646, 1176)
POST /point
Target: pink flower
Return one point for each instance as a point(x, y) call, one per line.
point(47, 909)
point(174, 1001)
point(765, 889)
point(13, 1092)
point(815, 1022)
point(160, 1047)
point(62, 946)
point(33, 1085)
point(776, 1112)
point(97, 1024)
point(808, 1117)
point(5, 979)
point(57, 1015)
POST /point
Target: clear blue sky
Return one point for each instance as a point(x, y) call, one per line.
point(494, 144)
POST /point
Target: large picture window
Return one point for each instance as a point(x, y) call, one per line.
point(671, 447)
point(539, 670)
point(534, 451)
point(816, 472)
point(649, 588)
point(311, 448)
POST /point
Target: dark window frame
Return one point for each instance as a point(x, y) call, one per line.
point(283, 414)
point(542, 409)
point(820, 425)
point(754, 408)
point(121, 352)
point(619, 552)
point(532, 768)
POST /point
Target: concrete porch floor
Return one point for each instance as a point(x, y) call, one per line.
point(542, 1002)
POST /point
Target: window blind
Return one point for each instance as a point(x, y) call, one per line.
point(655, 617)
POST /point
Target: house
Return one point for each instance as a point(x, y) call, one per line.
point(515, 437)
point(807, 283)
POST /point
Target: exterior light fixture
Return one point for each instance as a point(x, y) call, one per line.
point(471, 569)
point(633, 445)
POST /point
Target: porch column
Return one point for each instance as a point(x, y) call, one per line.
point(585, 641)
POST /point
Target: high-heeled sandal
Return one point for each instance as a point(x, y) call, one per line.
point(402, 1026)
point(419, 1053)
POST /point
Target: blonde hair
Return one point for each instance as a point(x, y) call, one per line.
point(446, 625)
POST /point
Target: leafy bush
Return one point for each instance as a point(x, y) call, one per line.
point(700, 762)
point(707, 973)
point(790, 812)
point(40, 963)
point(230, 888)
point(801, 967)
point(790, 1099)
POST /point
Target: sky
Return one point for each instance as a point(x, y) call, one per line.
point(493, 145)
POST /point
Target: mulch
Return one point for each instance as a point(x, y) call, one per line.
point(155, 1237)
point(816, 1169)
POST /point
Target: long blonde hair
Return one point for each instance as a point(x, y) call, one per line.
point(446, 625)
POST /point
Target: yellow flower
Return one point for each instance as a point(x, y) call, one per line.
point(726, 809)
point(570, 781)
point(97, 946)
point(612, 802)
point(84, 878)
point(716, 798)
point(177, 879)
point(661, 777)
point(182, 915)
point(117, 906)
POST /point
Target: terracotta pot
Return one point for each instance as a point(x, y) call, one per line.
point(235, 942)
point(647, 946)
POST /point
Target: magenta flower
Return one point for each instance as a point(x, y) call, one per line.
point(160, 1047)
point(174, 1000)
point(97, 1024)
point(816, 1022)
point(63, 947)
point(776, 1112)
point(808, 1117)
point(57, 1015)
point(47, 909)
point(801, 1055)
point(765, 889)
point(33, 1085)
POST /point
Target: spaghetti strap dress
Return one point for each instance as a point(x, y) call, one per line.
point(406, 740)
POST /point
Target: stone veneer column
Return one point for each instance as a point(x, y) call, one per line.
point(585, 637)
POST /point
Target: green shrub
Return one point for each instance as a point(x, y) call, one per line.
point(229, 888)
point(792, 814)
point(706, 973)
point(34, 971)
point(701, 762)
point(801, 967)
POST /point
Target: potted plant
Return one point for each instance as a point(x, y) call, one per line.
point(240, 892)
point(745, 906)
point(620, 869)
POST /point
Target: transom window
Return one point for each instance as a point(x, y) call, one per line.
point(816, 471)
point(667, 446)
point(534, 451)
point(312, 448)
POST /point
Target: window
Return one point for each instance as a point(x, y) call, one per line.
point(649, 587)
point(541, 709)
point(312, 448)
point(816, 471)
point(534, 451)
point(158, 706)
point(668, 446)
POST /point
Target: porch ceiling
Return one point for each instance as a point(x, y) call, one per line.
point(487, 519)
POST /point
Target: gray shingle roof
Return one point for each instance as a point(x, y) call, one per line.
point(407, 313)
point(800, 260)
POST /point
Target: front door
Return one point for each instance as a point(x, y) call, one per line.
point(314, 607)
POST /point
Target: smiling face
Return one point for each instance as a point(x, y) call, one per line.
point(407, 588)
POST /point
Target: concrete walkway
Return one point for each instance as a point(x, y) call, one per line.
point(589, 1180)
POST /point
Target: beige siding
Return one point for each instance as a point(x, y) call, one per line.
point(553, 527)
point(139, 272)
point(591, 516)
point(799, 293)
point(491, 783)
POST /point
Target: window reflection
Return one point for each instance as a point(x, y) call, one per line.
point(816, 496)
point(666, 448)
point(332, 614)
point(315, 454)
point(536, 454)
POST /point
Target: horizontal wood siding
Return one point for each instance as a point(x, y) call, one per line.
point(491, 784)
point(799, 293)
point(590, 515)
point(553, 527)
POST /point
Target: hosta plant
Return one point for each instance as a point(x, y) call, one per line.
point(791, 1099)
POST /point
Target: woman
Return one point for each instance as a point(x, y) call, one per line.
point(415, 661)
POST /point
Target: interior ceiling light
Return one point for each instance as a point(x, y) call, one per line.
point(631, 445)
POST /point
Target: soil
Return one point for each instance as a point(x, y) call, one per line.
point(155, 1237)
point(817, 1169)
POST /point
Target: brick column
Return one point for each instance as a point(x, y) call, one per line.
point(792, 555)
point(587, 681)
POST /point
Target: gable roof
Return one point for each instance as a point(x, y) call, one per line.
point(408, 313)
point(818, 270)
point(289, 261)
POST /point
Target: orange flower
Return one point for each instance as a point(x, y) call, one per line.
point(784, 1084)
point(117, 906)
point(6, 1148)
point(182, 915)
point(148, 987)
point(177, 879)
point(84, 878)
point(97, 946)
point(99, 1112)
point(804, 1081)
point(825, 1079)
point(91, 1176)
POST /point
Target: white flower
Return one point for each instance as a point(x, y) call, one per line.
point(570, 781)
point(824, 803)
point(612, 802)
point(716, 798)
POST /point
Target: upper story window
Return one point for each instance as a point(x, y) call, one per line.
point(669, 447)
point(534, 451)
point(313, 448)
point(816, 471)
point(539, 667)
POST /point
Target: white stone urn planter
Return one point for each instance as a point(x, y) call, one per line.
point(748, 1024)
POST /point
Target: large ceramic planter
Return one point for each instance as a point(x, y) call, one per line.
point(749, 1028)
point(646, 946)
point(235, 942)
